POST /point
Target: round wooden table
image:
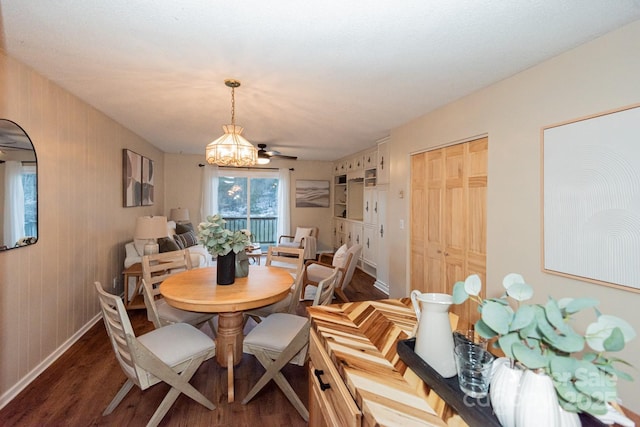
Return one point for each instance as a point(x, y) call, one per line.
point(196, 290)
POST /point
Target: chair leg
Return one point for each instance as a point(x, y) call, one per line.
point(180, 384)
point(273, 368)
point(273, 373)
point(126, 387)
point(341, 295)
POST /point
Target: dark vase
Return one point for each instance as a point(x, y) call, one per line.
point(226, 269)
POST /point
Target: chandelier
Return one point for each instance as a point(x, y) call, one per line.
point(231, 149)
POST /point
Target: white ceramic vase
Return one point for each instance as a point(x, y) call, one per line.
point(568, 419)
point(504, 387)
point(537, 403)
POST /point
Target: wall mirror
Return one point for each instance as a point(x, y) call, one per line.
point(18, 188)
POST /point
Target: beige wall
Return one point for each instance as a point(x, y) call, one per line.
point(184, 188)
point(595, 77)
point(46, 290)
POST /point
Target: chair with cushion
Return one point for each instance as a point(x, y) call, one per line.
point(345, 259)
point(155, 269)
point(171, 354)
point(304, 237)
point(283, 338)
point(291, 259)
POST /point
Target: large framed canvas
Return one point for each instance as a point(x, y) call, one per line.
point(312, 194)
point(131, 178)
point(591, 198)
point(147, 181)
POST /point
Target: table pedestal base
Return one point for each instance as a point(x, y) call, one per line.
point(229, 345)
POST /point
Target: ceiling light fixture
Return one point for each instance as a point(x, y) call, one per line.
point(231, 149)
point(263, 157)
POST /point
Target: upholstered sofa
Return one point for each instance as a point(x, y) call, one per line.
point(178, 237)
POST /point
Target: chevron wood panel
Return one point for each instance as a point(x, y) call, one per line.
point(360, 338)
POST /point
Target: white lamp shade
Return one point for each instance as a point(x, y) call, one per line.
point(231, 149)
point(151, 227)
point(179, 214)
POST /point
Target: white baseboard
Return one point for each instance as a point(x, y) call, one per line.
point(381, 286)
point(42, 366)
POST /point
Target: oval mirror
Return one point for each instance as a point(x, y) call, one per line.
point(18, 187)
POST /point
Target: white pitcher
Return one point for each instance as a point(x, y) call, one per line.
point(434, 338)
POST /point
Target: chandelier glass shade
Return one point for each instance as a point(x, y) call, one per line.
point(231, 149)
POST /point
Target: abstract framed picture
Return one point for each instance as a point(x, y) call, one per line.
point(131, 178)
point(147, 181)
point(312, 194)
point(591, 189)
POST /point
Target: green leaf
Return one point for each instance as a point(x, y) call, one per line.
point(553, 313)
point(506, 343)
point(459, 294)
point(599, 331)
point(473, 284)
point(523, 318)
point(484, 331)
point(577, 304)
point(615, 342)
point(520, 291)
point(510, 279)
point(567, 342)
point(531, 358)
point(596, 384)
point(497, 317)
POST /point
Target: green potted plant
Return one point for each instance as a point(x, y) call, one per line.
point(223, 244)
point(541, 338)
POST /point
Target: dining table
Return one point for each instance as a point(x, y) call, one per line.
point(197, 290)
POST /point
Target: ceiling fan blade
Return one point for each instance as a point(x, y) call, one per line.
point(282, 156)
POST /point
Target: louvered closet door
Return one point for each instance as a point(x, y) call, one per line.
point(448, 218)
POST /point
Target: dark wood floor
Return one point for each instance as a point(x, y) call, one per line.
point(75, 389)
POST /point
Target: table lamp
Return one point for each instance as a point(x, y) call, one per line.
point(179, 215)
point(150, 228)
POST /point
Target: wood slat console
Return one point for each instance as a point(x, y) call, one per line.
point(357, 377)
point(353, 350)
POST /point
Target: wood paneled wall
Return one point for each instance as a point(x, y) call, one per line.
point(46, 295)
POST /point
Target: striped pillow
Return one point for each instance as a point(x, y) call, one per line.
point(186, 240)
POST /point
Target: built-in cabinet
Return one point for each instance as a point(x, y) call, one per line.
point(448, 219)
point(357, 206)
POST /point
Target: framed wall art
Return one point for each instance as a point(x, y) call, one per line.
point(312, 194)
point(591, 198)
point(131, 178)
point(147, 181)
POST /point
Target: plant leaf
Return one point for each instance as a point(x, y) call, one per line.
point(459, 293)
point(506, 343)
point(497, 316)
point(484, 331)
point(599, 331)
point(531, 358)
point(523, 318)
point(473, 284)
point(615, 341)
point(510, 279)
point(577, 304)
point(520, 291)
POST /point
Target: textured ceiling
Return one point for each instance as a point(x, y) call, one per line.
point(320, 79)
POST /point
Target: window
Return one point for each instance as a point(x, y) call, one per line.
point(249, 200)
point(30, 188)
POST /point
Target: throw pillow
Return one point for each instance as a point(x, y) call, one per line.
point(300, 233)
point(183, 228)
point(167, 244)
point(186, 240)
point(340, 257)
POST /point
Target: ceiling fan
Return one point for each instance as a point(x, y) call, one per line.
point(265, 156)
